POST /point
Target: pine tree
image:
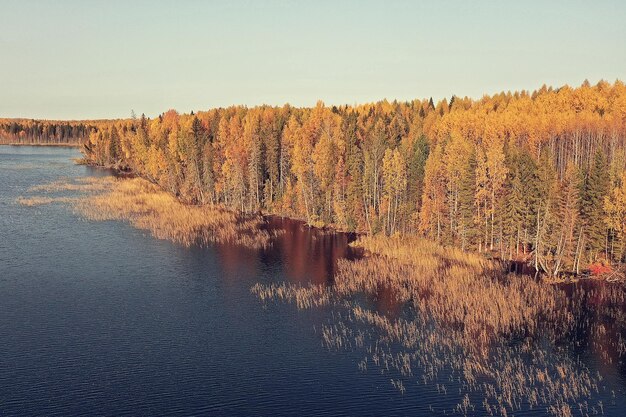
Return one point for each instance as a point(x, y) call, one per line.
point(568, 233)
point(418, 154)
point(468, 231)
point(595, 188)
point(114, 146)
point(513, 212)
point(615, 207)
point(354, 168)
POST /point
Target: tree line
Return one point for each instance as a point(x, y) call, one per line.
point(538, 177)
point(34, 131)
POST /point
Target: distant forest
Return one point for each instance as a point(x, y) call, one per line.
point(538, 176)
point(30, 131)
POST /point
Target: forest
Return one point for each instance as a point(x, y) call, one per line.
point(536, 177)
point(31, 131)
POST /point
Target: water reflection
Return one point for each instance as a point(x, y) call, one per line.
point(304, 255)
point(309, 255)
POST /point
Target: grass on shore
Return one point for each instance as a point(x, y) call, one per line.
point(41, 200)
point(471, 325)
point(147, 207)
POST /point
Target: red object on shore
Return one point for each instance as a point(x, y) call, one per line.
point(599, 269)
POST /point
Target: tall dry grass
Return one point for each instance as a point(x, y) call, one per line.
point(501, 340)
point(455, 288)
point(42, 200)
point(86, 184)
point(147, 207)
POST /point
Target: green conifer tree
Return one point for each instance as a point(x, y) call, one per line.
point(595, 187)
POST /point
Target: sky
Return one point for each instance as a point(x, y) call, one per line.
point(78, 59)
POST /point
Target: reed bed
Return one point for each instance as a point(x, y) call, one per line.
point(304, 297)
point(42, 200)
point(145, 206)
point(504, 342)
point(87, 184)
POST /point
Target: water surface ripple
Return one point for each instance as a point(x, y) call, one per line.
point(100, 318)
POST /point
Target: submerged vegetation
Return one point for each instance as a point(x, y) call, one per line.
point(534, 177)
point(147, 207)
point(41, 200)
point(499, 343)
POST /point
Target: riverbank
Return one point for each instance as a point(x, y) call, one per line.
point(504, 264)
point(124, 171)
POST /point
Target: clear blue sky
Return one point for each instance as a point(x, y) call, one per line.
point(100, 59)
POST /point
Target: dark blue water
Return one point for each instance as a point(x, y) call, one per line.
point(100, 318)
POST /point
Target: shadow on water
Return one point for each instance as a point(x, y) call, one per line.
point(303, 255)
point(310, 254)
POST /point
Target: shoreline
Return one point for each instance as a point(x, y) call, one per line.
point(129, 173)
point(354, 235)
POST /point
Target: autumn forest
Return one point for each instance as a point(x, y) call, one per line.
point(33, 132)
point(536, 177)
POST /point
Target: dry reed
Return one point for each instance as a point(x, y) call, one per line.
point(147, 207)
point(40, 200)
point(501, 339)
